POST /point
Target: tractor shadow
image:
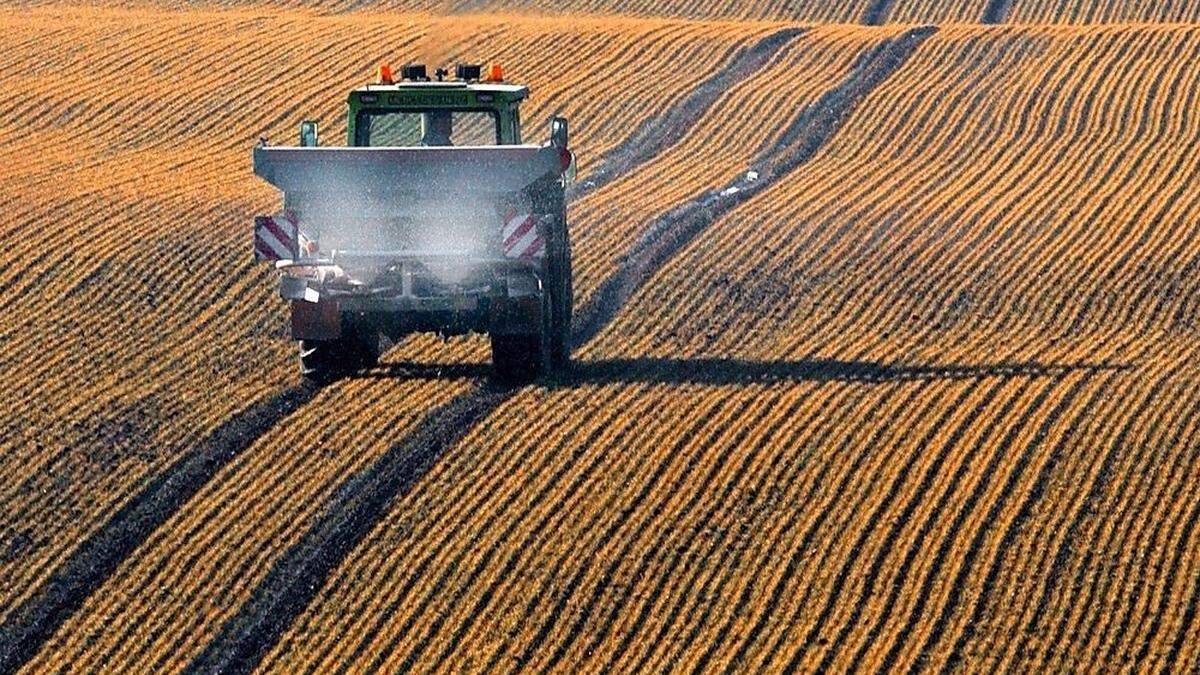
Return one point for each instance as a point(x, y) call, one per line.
point(717, 371)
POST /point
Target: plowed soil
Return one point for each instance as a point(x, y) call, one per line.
point(885, 345)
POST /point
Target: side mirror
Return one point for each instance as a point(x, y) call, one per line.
point(558, 132)
point(308, 134)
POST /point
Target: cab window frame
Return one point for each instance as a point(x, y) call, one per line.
point(362, 122)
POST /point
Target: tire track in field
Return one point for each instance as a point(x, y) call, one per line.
point(657, 133)
point(798, 144)
point(27, 629)
point(98, 556)
point(548, 520)
point(295, 578)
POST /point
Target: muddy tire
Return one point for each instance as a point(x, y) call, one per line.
point(322, 361)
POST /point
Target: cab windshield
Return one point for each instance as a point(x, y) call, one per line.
point(429, 128)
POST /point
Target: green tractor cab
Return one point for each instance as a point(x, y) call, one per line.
point(406, 113)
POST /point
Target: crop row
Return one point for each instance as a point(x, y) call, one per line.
point(254, 507)
point(930, 390)
point(806, 11)
point(931, 271)
point(139, 322)
point(994, 208)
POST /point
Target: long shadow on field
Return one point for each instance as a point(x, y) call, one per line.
point(730, 371)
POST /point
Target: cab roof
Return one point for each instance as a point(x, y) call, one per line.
point(510, 91)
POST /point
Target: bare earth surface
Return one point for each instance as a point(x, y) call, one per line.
point(922, 396)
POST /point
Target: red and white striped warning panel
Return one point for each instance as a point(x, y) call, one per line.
point(520, 236)
point(276, 237)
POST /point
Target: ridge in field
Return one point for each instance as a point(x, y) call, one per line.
point(865, 12)
point(231, 329)
point(28, 627)
point(1016, 203)
point(671, 233)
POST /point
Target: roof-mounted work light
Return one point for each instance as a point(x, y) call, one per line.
point(468, 72)
point(414, 71)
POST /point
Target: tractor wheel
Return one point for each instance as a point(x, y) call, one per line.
point(523, 358)
point(322, 361)
point(560, 289)
point(560, 317)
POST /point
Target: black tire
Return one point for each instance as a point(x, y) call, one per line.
point(523, 358)
point(561, 302)
point(322, 361)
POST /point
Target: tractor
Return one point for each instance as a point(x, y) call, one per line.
point(436, 216)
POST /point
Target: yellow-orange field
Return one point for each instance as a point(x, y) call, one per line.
point(927, 400)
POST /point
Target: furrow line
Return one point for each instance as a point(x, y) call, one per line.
point(545, 476)
point(1022, 462)
point(921, 493)
point(777, 469)
point(1101, 627)
point(992, 398)
point(798, 144)
point(294, 579)
point(98, 557)
point(723, 436)
point(1095, 493)
point(645, 493)
point(660, 132)
point(804, 541)
point(1024, 512)
point(551, 520)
